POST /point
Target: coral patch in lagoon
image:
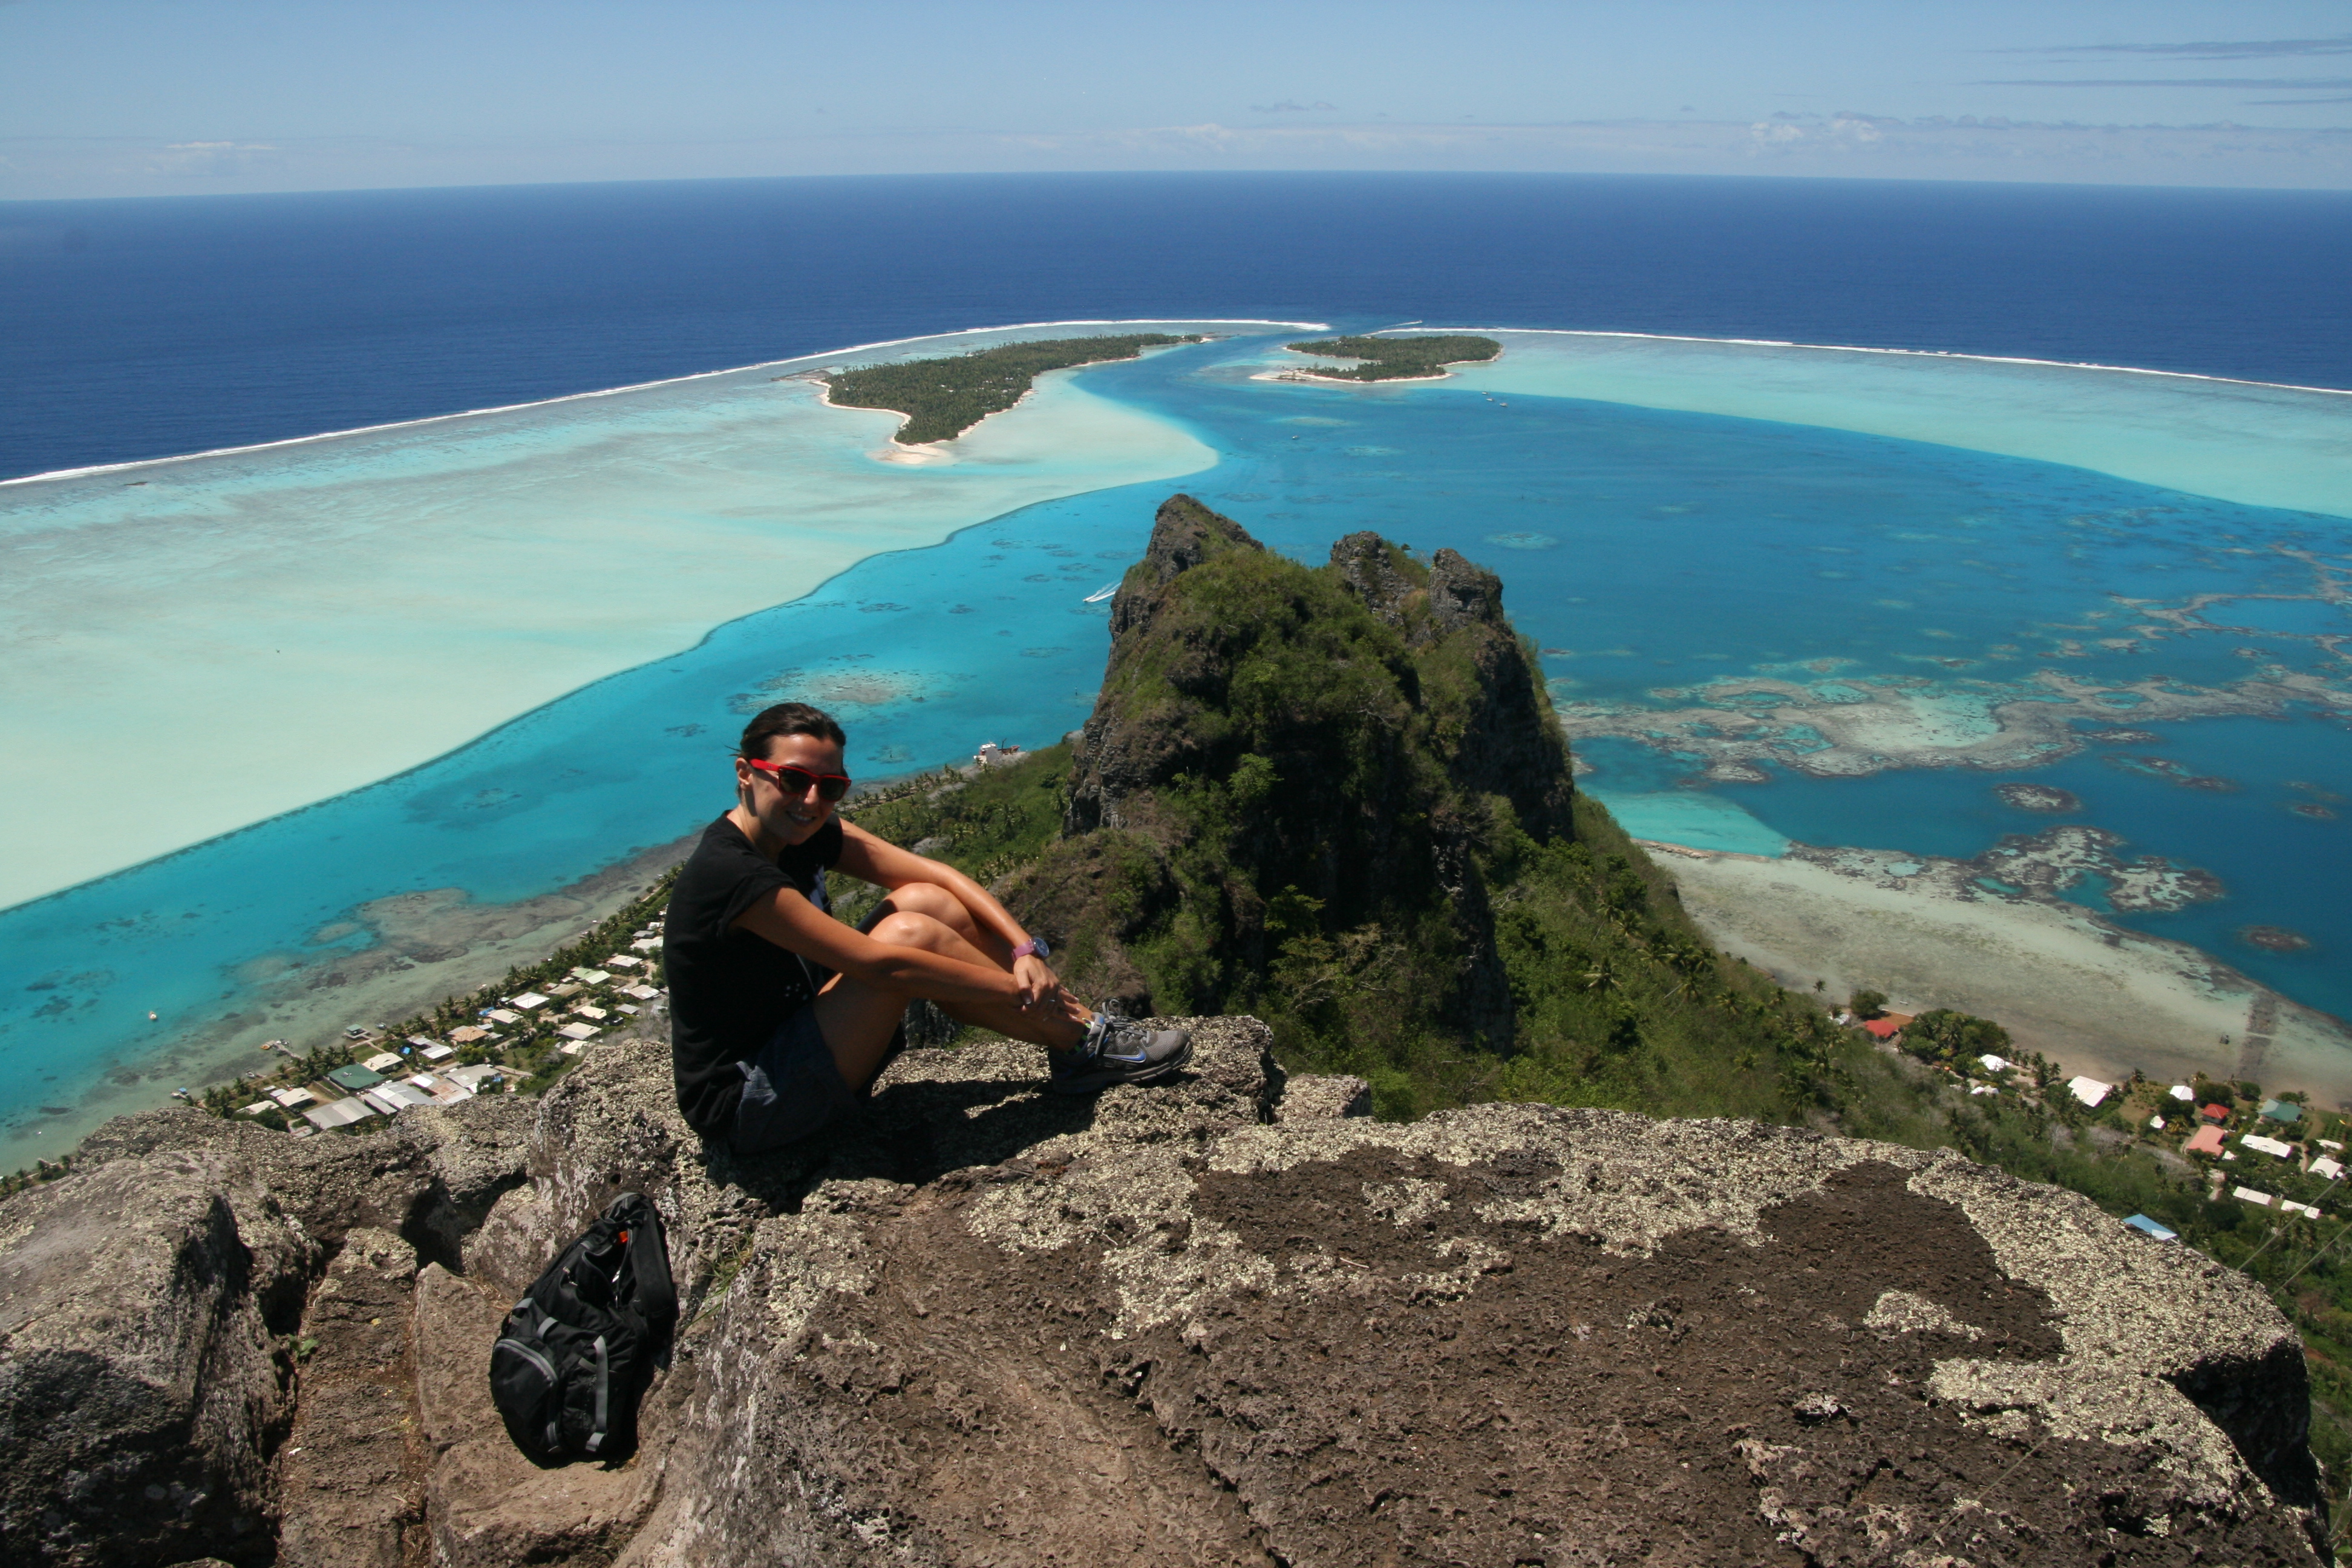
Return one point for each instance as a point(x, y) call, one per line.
point(2047, 798)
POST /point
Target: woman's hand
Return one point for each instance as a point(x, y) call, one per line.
point(1037, 983)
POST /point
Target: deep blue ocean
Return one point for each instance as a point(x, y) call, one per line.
point(143, 328)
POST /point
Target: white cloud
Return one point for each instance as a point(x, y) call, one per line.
point(1847, 143)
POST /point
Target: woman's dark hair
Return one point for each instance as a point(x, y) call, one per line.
point(787, 719)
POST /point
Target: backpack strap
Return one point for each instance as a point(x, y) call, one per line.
point(604, 1396)
point(649, 1261)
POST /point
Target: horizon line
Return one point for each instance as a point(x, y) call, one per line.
point(1113, 171)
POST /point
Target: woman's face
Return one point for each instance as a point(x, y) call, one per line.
point(786, 816)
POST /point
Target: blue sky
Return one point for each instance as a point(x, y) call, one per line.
point(132, 97)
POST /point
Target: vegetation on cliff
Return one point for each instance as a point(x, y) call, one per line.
point(1236, 831)
point(1398, 359)
point(1335, 797)
point(942, 398)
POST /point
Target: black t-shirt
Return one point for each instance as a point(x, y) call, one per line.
point(729, 990)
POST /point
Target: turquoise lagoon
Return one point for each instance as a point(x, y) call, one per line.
point(1661, 557)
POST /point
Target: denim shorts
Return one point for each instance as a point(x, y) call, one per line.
point(792, 1087)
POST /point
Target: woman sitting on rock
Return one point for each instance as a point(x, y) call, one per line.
point(782, 1017)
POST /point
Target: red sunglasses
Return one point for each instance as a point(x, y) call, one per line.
point(795, 781)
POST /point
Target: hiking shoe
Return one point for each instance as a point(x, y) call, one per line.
point(1118, 1050)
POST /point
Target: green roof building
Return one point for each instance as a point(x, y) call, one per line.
point(354, 1079)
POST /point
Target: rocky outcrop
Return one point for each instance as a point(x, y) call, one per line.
point(1284, 760)
point(1378, 572)
point(351, 1474)
point(150, 1309)
point(1184, 533)
point(1222, 1320)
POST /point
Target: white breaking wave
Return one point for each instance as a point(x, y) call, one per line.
point(1859, 349)
point(644, 386)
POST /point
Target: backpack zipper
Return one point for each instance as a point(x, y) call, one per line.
point(546, 1367)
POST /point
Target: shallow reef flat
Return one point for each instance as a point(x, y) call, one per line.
point(315, 616)
point(2243, 441)
point(1986, 936)
point(1861, 725)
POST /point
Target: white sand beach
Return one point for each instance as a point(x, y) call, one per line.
point(2094, 996)
point(243, 633)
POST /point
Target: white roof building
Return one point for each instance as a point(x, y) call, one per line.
point(393, 1097)
point(2251, 1196)
point(578, 1031)
point(2183, 1094)
point(590, 976)
point(502, 1015)
point(442, 1090)
point(290, 1097)
point(1995, 1064)
point(528, 1000)
point(474, 1077)
point(2271, 1146)
point(340, 1113)
point(2324, 1166)
point(2089, 1090)
point(623, 961)
point(382, 1061)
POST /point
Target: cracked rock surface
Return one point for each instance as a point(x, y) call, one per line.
point(1228, 1320)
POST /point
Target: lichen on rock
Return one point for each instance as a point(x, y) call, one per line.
point(981, 1322)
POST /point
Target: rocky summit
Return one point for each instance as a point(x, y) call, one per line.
point(1224, 1319)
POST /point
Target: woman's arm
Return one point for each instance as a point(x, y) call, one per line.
point(794, 924)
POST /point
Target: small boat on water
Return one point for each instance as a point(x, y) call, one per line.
point(1099, 594)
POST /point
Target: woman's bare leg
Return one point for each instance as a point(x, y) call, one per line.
point(930, 898)
point(858, 1020)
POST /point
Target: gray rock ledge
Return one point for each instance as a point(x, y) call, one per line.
point(1223, 1320)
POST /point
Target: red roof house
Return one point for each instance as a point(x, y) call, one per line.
point(2207, 1142)
point(1885, 1028)
point(2215, 1114)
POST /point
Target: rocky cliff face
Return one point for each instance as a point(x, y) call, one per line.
point(1283, 758)
point(1217, 1320)
point(1171, 673)
point(154, 1310)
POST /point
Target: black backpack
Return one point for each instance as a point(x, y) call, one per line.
point(577, 1350)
